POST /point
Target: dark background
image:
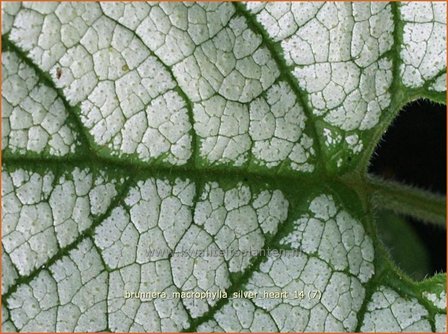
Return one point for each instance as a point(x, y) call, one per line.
point(413, 151)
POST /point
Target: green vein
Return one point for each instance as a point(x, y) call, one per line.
point(178, 89)
point(243, 278)
point(88, 233)
point(73, 111)
point(284, 70)
point(398, 96)
point(143, 170)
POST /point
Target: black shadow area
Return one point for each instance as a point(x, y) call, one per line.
point(413, 151)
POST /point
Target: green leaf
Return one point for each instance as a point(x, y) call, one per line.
point(202, 166)
point(403, 244)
